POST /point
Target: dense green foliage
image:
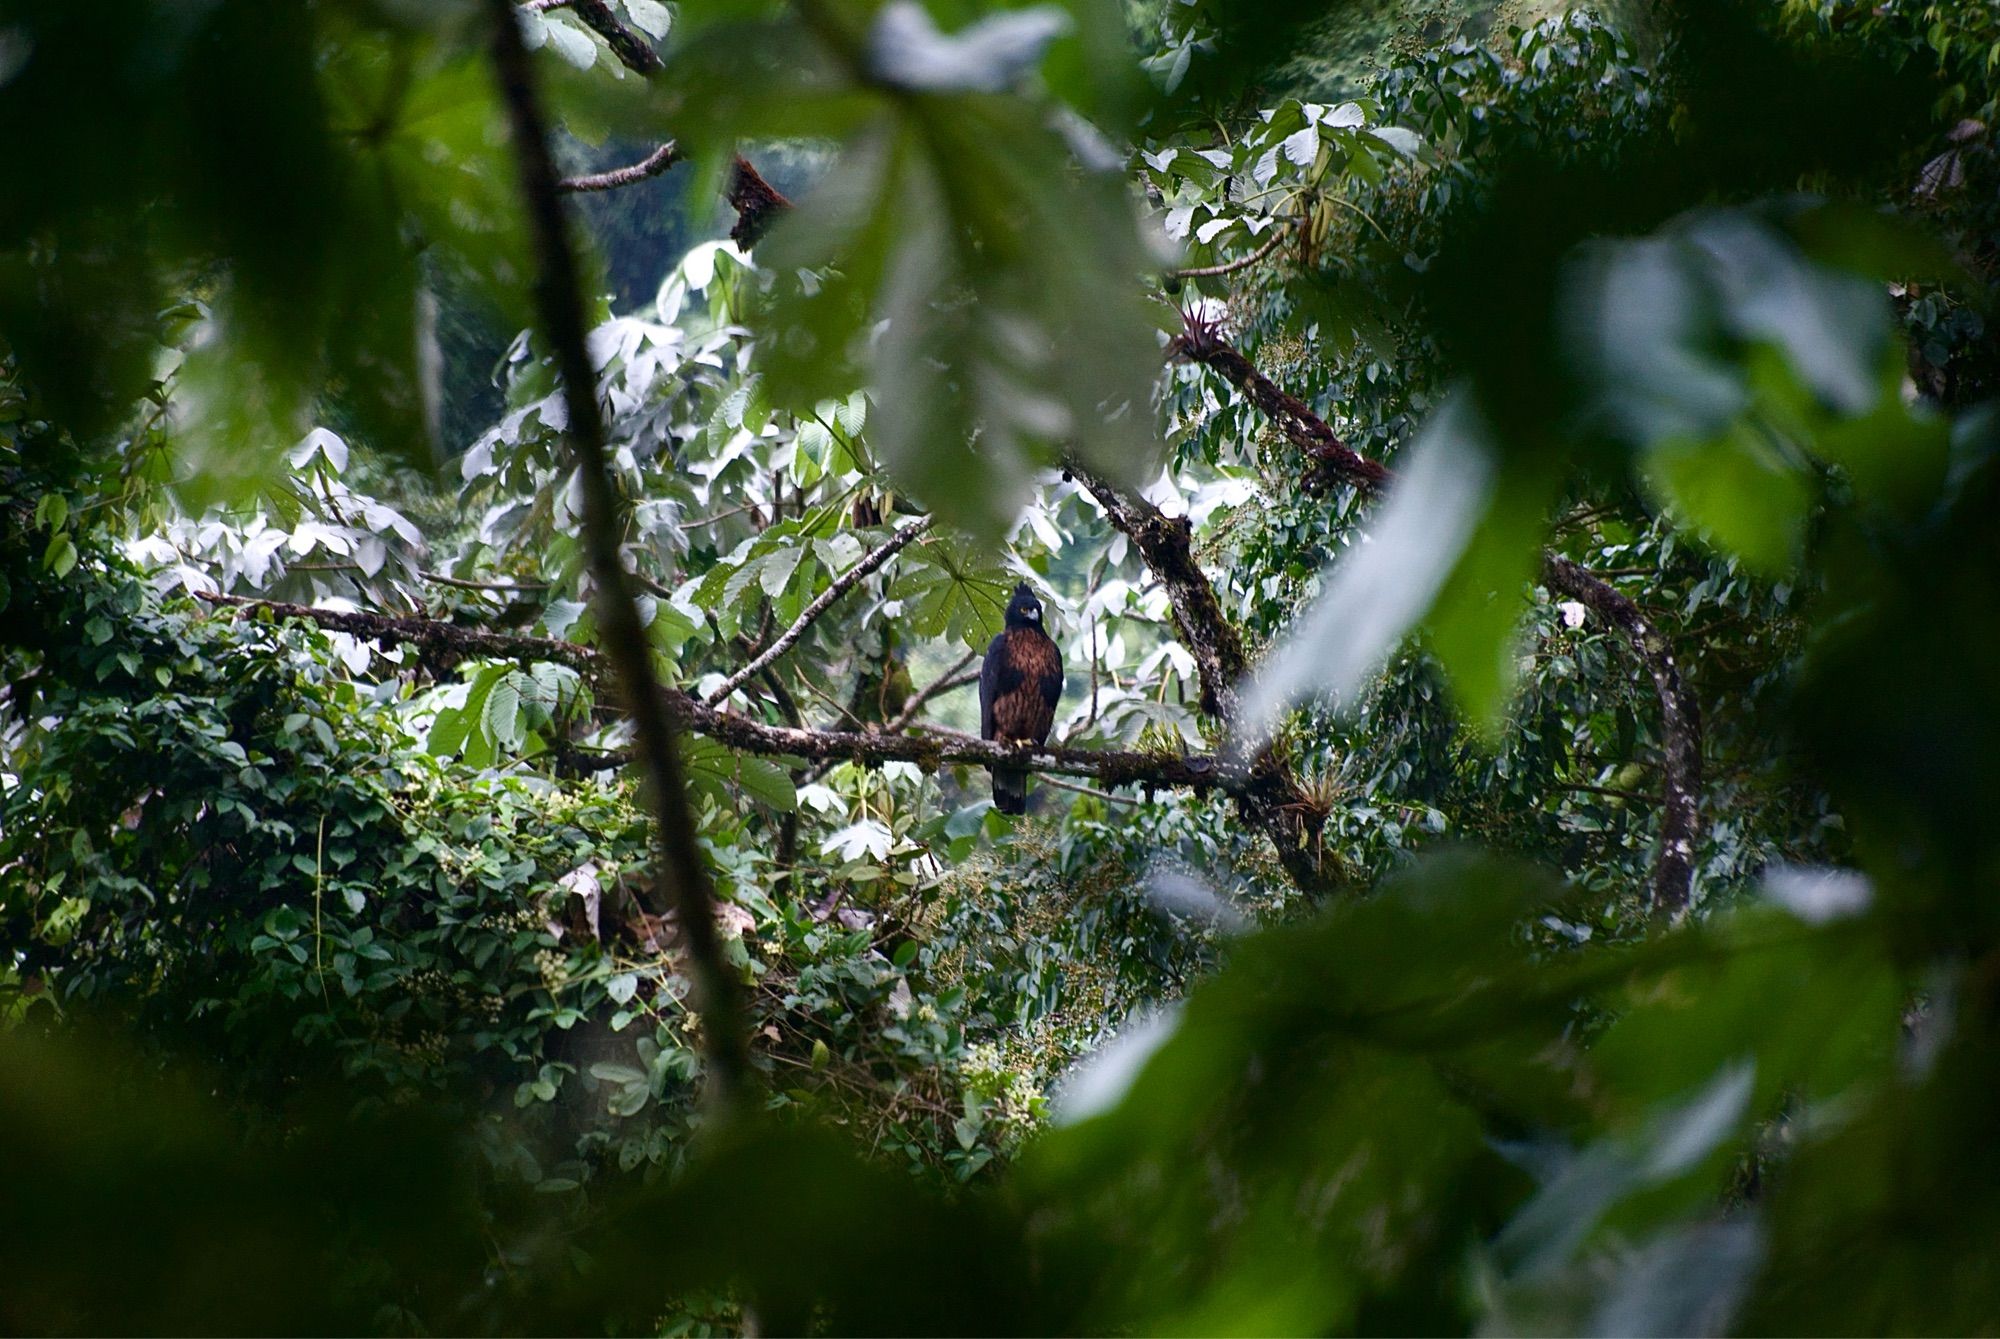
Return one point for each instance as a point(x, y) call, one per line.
point(336, 989)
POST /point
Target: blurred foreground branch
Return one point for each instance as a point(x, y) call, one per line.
point(559, 302)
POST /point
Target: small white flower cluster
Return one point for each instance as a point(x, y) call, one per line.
point(1016, 1099)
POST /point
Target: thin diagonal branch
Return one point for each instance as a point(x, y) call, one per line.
point(1232, 266)
point(1680, 713)
point(632, 50)
point(559, 302)
point(501, 587)
point(652, 165)
point(842, 584)
point(955, 677)
point(1201, 342)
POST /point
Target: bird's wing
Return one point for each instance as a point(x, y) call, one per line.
point(1041, 666)
point(991, 674)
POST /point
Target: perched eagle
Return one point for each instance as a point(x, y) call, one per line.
point(1018, 688)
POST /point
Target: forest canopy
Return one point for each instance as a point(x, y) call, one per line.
point(527, 529)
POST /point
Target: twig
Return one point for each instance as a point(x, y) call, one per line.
point(559, 299)
point(757, 203)
point(1612, 791)
point(842, 584)
point(955, 677)
point(1091, 791)
point(501, 587)
point(1231, 266)
point(702, 521)
point(841, 707)
point(652, 165)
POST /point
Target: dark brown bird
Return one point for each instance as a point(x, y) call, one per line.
point(1018, 689)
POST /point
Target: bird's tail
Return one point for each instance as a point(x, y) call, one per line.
point(1010, 790)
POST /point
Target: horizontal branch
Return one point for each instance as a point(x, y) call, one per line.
point(842, 584)
point(430, 634)
point(870, 748)
point(944, 683)
point(652, 165)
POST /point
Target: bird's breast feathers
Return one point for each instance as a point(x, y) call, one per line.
point(1023, 679)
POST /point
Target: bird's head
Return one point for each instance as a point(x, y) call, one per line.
point(1025, 609)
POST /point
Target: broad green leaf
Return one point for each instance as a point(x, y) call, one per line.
point(1739, 492)
point(1474, 624)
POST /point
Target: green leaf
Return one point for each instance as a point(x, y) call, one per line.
point(650, 17)
point(573, 44)
point(768, 783)
point(1474, 624)
point(1009, 284)
point(1739, 492)
point(60, 556)
point(775, 573)
point(502, 716)
point(613, 1072)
